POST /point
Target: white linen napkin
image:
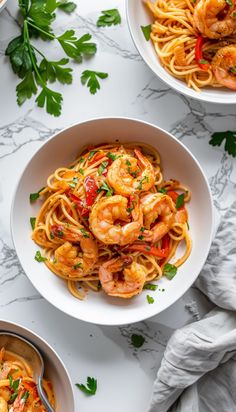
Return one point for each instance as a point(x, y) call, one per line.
point(198, 370)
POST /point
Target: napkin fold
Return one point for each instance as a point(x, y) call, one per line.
point(198, 369)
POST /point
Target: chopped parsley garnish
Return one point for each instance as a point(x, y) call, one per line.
point(140, 185)
point(141, 237)
point(127, 162)
point(150, 299)
point(129, 209)
point(137, 340)
point(52, 235)
point(25, 396)
point(81, 160)
point(113, 156)
point(230, 141)
point(163, 190)
point(14, 386)
point(148, 248)
point(81, 171)
point(179, 201)
point(84, 233)
point(147, 31)
point(91, 78)
point(169, 270)
point(77, 266)
point(39, 257)
point(229, 2)
point(59, 233)
point(109, 17)
point(91, 154)
point(142, 229)
point(102, 167)
point(107, 188)
point(150, 286)
point(32, 222)
point(35, 196)
point(91, 387)
point(233, 68)
point(203, 61)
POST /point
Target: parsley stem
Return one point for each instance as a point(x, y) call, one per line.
point(42, 31)
point(26, 35)
point(39, 52)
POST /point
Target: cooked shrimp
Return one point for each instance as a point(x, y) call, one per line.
point(69, 261)
point(128, 174)
point(158, 206)
point(3, 405)
point(214, 18)
point(19, 403)
point(5, 370)
point(134, 277)
point(224, 66)
point(106, 214)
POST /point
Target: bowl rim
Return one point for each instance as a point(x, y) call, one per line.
point(6, 324)
point(2, 4)
point(176, 87)
point(211, 223)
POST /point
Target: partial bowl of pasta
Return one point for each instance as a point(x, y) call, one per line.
point(109, 230)
point(18, 368)
point(190, 45)
point(2, 4)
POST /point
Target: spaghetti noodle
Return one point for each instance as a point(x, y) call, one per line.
point(110, 221)
point(18, 391)
point(188, 34)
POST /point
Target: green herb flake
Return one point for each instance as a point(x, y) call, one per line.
point(150, 286)
point(230, 141)
point(10, 380)
point(32, 222)
point(142, 229)
point(39, 257)
point(150, 299)
point(163, 190)
point(25, 396)
point(113, 156)
point(202, 61)
point(91, 154)
point(229, 2)
point(129, 209)
point(77, 266)
point(187, 225)
point(102, 167)
point(147, 31)
point(179, 201)
point(81, 159)
point(35, 196)
point(90, 78)
point(127, 162)
point(141, 237)
point(107, 188)
point(81, 171)
point(232, 69)
point(109, 17)
point(91, 387)
point(84, 233)
point(169, 270)
point(137, 340)
point(52, 235)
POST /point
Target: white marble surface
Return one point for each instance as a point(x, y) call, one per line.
point(124, 374)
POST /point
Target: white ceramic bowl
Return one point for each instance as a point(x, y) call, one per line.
point(137, 16)
point(54, 368)
point(58, 151)
point(2, 4)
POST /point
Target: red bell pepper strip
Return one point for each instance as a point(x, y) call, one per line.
point(84, 211)
point(198, 54)
point(91, 188)
point(149, 250)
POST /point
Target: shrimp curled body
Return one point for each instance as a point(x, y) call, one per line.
point(123, 171)
point(224, 66)
point(106, 212)
point(207, 17)
point(3, 405)
point(134, 277)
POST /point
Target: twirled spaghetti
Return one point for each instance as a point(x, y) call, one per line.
point(187, 36)
point(18, 390)
point(110, 221)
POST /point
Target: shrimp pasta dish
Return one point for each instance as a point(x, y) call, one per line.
point(18, 390)
point(109, 221)
point(195, 40)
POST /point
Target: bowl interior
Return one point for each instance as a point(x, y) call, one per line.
point(177, 163)
point(54, 368)
point(138, 15)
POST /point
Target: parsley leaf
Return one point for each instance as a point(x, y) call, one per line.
point(137, 340)
point(84, 233)
point(32, 222)
point(52, 71)
point(91, 154)
point(35, 196)
point(65, 5)
point(90, 77)
point(26, 88)
point(102, 167)
point(76, 48)
point(230, 141)
point(91, 387)
point(109, 17)
point(229, 2)
point(39, 257)
point(232, 69)
point(169, 270)
point(147, 31)
point(179, 201)
point(52, 100)
point(150, 299)
point(78, 265)
point(113, 156)
point(25, 396)
point(150, 286)
point(107, 188)
point(163, 190)
point(203, 61)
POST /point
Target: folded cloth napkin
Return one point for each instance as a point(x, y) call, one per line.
point(198, 370)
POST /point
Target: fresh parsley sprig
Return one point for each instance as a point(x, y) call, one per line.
point(91, 387)
point(230, 141)
point(109, 17)
point(24, 57)
point(91, 78)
